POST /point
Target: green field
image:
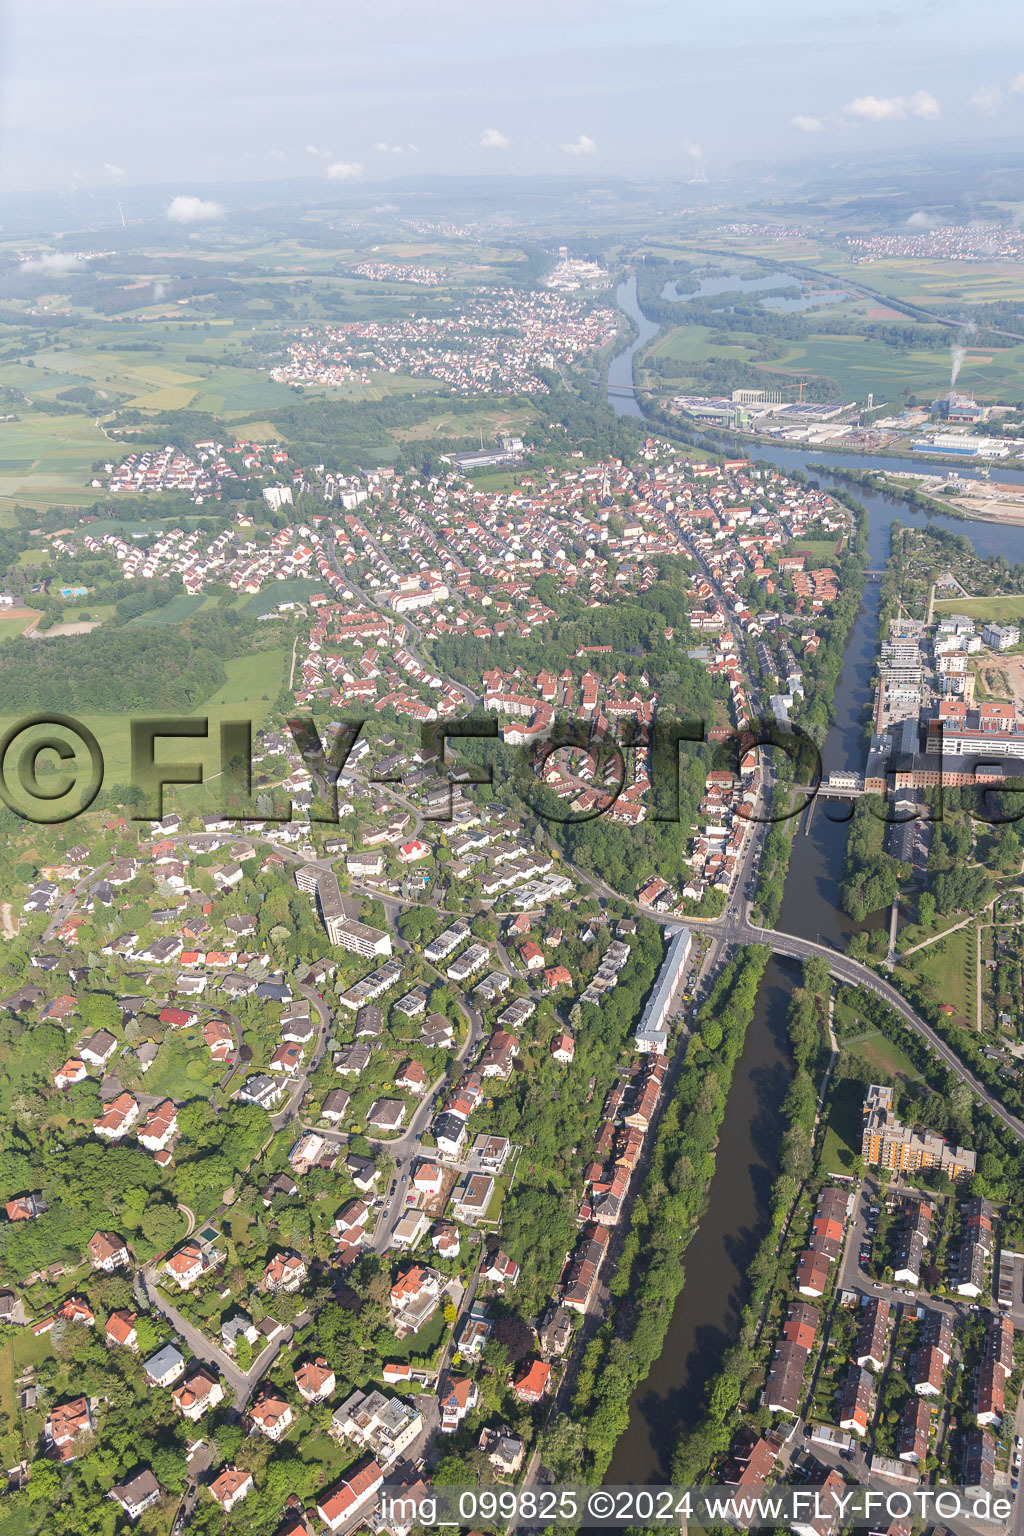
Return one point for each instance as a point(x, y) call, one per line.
point(12, 624)
point(945, 975)
point(882, 1055)
point(294, 591)
point(842, 1135)
point(181, 607)
point(997, 608)
point(58, 452)
point(253, 683)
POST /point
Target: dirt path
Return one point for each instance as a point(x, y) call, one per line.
point(9, 924)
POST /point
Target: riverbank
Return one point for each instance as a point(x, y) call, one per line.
point(707, 1319)
point(697, 1138)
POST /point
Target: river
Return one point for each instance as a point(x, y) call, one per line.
point(706, 1317)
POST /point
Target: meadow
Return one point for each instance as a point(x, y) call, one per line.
point(1000, 609)
point(252, 686)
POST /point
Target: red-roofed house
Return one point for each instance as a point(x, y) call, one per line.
point(160, 1125)
point(532, 1382)
point(179, 1018)
point(231, 1486)
point(271, 1415)
point(340, 1505)
point(120, 1329)
point(107, 1251)
point(557, 976)
point(563, 1048)
point(315, 1380)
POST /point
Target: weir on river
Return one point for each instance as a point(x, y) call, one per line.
point(706, 1318)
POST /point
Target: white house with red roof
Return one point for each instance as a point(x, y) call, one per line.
point(231, 1486)
point(107, 1251)
point(118, 1118)
point(315, 1380)
point(342, 1503)
point(120, 1329)
point(284, 1272)
point(457, 1398)
point(159, 1126)
point(271, 1414)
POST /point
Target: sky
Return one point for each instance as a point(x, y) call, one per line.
point(188, 93)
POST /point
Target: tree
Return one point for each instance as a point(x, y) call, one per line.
point(99, 1011)
point(161, 1225)
point(515, 1336)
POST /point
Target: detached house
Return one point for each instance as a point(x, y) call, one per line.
point(458, 1398)
point(120, 1330)
point(271, 1415)
point(67, 1423)
point(118, 1118)
point(197, 1395)
point(532, 1383)
point(284, 1272)
point(315, 1380)
point(186, 1265)
point(107, 1251)
point(231, 1486)
point(160, 1126)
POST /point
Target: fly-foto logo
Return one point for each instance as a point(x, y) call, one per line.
point(52, 768)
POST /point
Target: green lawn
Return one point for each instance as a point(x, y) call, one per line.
point(295, 591)
point(842, 1136)
point(818, 549)
point(16, 624)
point(945, 974)
point(997, 608)
point(422, 1343)
point(882, 1055)
point(10, 1447)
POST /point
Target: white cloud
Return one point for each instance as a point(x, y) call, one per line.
point(919, 220)
point(887, 109)
point(493, 138)
point(344, 170)
point(1018, 85)
point(53, 261)
point(278, 155)
point(923, 104)
point(318, 154)
point(193, 210)
point(113, 171)
point(584, 145)
point(384, 148)
point(693, 150)
point(987, 99)
point(804, 124)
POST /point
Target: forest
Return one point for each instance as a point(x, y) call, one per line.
point(120, 669)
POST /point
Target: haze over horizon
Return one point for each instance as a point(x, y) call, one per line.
point(646, 90)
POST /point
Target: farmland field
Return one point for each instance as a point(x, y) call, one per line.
point(181, 607)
